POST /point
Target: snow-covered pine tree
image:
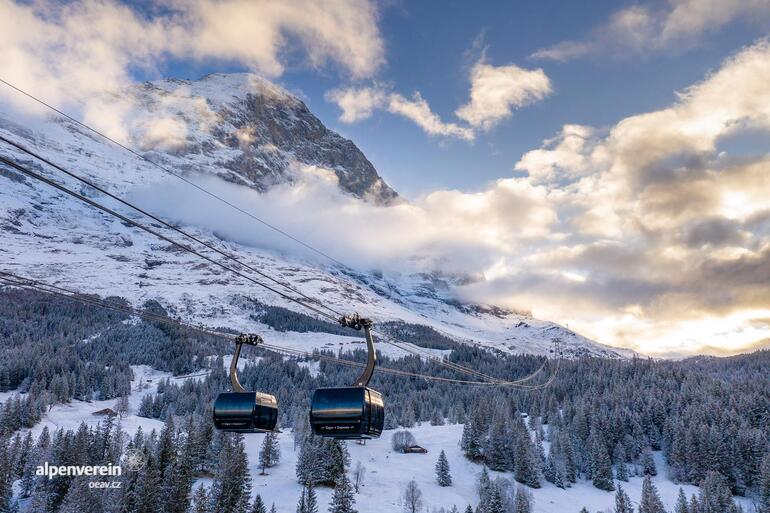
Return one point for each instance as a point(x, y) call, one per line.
point(270, 452)
point(498, 454)
point(472, 441)
point(200, 501)
point(443, 477)
point(648, 463)
point(311, 500)
point(650, 501)
point(619, 459)
point(259, 505)
point(301, 505)
point(601, 474)
point(764, 485)
point(681, 505)
point(522, 503)
point(623, 502)
point(231, 489)
point(715, 495)
point(437, 418)
point(343, 498)
point(484, 488)
point(495, 502)
point(526, 466)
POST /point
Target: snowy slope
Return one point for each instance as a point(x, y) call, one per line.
point(247, 131)
point(386, 472)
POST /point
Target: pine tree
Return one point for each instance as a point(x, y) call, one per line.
point(619, 459)
point(495, 503)
point(301, 505)
point(259, 505)
point(484, 488)
point(715, 495)
point(498, 454)
point(681, 503)
point(270, 452)
point(311, 501)
point(623, 502)
point(650, 501)
point(601, 474)
point(200, 502)
point(648, 463)
point(232, 485)
point(443, 476)
point(526, 468)
point(522, 503)
point(764, 485)
point(343, 498)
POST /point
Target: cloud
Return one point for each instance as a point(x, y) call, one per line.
point(357, 104)
point(450, 229)
point(639, 29)
point(647, 234)
point(418, 110)
point(360, 103)
point(73, 53)
point(497, 90)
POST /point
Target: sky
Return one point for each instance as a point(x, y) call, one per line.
point(601, 164)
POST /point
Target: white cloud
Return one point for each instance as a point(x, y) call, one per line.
point(646, 234)
point(636, 29)
point(360, 103)
point(72, 53)
point(497, 90)
point(357, 104)
point(418, 110)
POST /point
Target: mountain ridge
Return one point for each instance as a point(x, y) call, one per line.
point(56, 239)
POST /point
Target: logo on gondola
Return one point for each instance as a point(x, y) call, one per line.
point(134, 460)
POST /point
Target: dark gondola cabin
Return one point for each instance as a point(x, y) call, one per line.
point(347, 413)
point(350, 413)
point(243, 411)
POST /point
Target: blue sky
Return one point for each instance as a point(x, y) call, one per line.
point(600, 164)
point(431, 47)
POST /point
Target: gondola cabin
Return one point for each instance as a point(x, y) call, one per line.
point(245, 412)
point(347, 413)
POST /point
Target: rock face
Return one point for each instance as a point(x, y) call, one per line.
point(256, 130)
point(254, 134)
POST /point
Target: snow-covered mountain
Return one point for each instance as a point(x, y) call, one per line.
point(248, 132)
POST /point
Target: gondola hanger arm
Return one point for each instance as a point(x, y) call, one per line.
point(250, 339)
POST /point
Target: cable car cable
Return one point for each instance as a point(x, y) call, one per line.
point(114, 213)
point(30, 284)
point(386, 337)
point(202, 189)
point(171, 172)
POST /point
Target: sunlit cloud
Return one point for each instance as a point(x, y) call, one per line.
point(642, 29)
point(73, 53)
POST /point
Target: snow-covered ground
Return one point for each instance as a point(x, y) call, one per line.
point(72, 414)
point(56, 239)
point(387, 472)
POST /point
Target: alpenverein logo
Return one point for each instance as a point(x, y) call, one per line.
point(51, 471)
point(134, 460)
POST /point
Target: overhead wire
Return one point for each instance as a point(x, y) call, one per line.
point(387, 338)
point(383, 336)
point(316, 304)
point(93, 300)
